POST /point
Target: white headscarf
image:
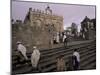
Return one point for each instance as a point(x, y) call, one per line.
point(22, 49)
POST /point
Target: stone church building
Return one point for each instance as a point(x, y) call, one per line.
point(88, 28)
point(39, 28)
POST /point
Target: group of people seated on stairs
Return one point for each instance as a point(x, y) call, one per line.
point(72, 64)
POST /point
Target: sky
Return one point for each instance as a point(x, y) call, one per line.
point(71, 13)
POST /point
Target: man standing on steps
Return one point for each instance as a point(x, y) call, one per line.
point(64, 36)
point(65, 42)
point(35, 58)
point(76, 60)
point(22, 51)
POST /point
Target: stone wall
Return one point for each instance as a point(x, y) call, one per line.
point(37, 29)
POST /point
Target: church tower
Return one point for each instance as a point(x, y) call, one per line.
point(48, 10)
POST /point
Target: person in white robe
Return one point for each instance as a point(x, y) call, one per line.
point(76, 60)
point(22, 49)
point(35, 57)
point(64, 37)
point(57, 38)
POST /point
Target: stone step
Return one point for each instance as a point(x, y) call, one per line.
point(64, 53)
point(91, 59)
point(90, 66)
point(69, 52)
point(82, 60)
point(48, 55)
point(66, 57)
point(46, 51)
point(49, 52)
point(55, 57)
point(50, 68)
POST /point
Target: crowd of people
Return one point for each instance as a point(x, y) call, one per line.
point(62, 65)
point(61, 38)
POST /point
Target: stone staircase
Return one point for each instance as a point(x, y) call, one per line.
point(47, 62)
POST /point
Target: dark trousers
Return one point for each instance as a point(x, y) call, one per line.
point(76, 66)
point(21, 59)
point(65, 44)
